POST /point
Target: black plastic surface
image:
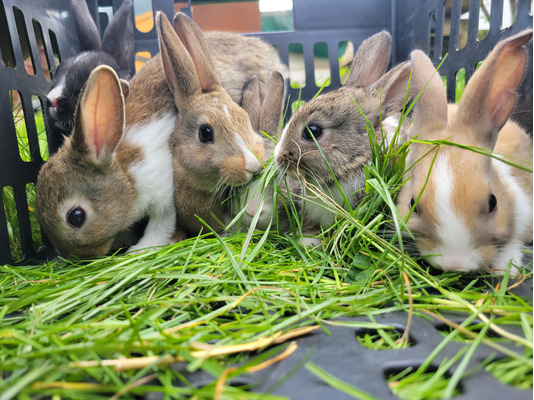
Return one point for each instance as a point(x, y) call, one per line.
point(340, 354)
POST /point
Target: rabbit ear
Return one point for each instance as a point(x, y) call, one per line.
point(195, 43)
point(177, 63)
point(431, 107)
point(272, 108)
point(393, 87)
point(118, 38)
point(99, 119)
point(371, 60)
point(490, 95)
point(87, 31)
point(250, 102)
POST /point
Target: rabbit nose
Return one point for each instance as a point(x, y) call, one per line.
point(285, 157)
point(54, 102)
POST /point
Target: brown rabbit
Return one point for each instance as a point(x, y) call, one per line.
point(475, 211)
point(214, 146)
point(103, 179)
point(333, 122)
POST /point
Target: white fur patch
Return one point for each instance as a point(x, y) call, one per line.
point(522, 210)
point(280, 145)
point(252, 164)
point(154, 179)
point(251, 198)
point(455, 251)
point(81, 57)
point(522, 205)
point(57, 92)
point(389, 128)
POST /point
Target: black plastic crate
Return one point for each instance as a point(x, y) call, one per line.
point(27, 26)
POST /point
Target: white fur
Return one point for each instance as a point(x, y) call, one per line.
point(456, 250)
point(320, 212)
point(81, 57)
point(57, 92)
point(522, 209)
point(279, 146)
point(389, 128)
point(154, 180)
point(252, 164)
point(251, 198)
point(522, 205)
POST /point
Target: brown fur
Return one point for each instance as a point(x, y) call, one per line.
point(266, 117)
point(345, 141)
point(479, 120)
point(202, 171)
point(235, 58)
point(86, 172)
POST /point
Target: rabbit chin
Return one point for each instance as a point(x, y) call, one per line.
point(454, 260)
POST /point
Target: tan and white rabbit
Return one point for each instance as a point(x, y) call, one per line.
point(470, 211)
point(213, 145)
point(333, 122)
point(92, 188)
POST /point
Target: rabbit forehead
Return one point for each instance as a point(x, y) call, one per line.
point(338, 107)
point(218, 110)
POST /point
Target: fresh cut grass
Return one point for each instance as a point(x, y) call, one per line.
point(127, 325)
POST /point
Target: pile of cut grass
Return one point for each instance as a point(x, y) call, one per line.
point(113, 326)
point(127, 325)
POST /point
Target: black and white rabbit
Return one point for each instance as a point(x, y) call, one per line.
point(116, 50)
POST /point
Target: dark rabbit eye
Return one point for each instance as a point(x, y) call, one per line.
point(412, 203)
point(76, 217)
point(492, 203)
point(205, 134)
point(312, 131)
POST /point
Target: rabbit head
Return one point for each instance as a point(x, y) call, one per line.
point(468, 211)
point(82, 192)
point(333, 124)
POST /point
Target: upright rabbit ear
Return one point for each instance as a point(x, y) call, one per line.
point(99, 119)
point(87, 31)
point(178, 65)
point(272, 108)
point(118, 38)
point(430, 112)
point(371, 60)
point(490, 95)
point(195, 43)
point(393, 87)
point(250, 101)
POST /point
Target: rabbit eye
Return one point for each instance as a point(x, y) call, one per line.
point(76, 217)
point(492, 203)
point(412, 203)
point(312, 131)
point(205, 134)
